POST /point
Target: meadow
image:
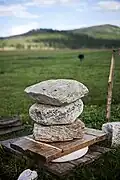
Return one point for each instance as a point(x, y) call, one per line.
point(19, 69)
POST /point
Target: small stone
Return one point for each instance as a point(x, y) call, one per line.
point(59, 133)
point(57, 92)
point(54, 115)
point(113, 131)
point(28, 175)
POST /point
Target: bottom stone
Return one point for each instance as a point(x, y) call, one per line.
point(59, 132)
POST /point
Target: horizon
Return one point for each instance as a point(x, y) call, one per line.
point(57, 29)
point(19, 17)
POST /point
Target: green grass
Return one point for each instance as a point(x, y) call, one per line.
point(20, 69)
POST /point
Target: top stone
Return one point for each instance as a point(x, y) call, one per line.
point(57, 92)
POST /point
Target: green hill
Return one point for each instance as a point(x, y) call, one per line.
point(103, 36)
point(103, 31)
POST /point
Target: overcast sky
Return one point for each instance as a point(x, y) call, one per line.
point(19, 16)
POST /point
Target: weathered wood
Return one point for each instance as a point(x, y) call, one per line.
point(6, 146)
point(110, 87)
point(45, 152)
point(81, 161)
point(5, 126)
point(10, 124)
point(94, 153)
point(61, 169)
point(75, 145)
point(94, 132)
point(6, 121)
point(50, 151)
point(10, 130)
point(100, 149)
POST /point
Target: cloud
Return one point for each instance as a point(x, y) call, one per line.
point(23, 28)
point(109, 5)
point(17, 10)
point(49, 2)
point(82, 7)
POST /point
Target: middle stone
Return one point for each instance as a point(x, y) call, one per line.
point(53, 115)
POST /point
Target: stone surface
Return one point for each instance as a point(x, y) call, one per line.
point(28, 175)
point(59, 133)
point(113, 131)
point(54, 115)
point(57, 92)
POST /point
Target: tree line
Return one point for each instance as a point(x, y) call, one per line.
point(76, 41)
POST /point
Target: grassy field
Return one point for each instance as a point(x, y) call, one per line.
point(20, 69)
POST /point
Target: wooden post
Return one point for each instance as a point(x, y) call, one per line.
point(110, 87)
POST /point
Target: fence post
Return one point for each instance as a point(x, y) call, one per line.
point(110, 87)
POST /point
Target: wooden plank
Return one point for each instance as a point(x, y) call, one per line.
point(6, 146)
point(10, 130)
point(45, 152)
point(95, 132)
point(50, 151)
point(5, 126)
point(94, 153)
point(61, 169)
point(5, 121)
point(81, 161)
point(75, 145)
point(100, 149)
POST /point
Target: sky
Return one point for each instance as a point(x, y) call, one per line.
point(20, 16)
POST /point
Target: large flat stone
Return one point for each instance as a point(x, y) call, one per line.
point(57, 92)
point(54, 115)
point(59, 133)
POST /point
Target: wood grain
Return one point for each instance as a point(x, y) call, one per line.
point(50, 151)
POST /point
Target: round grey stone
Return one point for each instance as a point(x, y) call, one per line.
point(54, 115)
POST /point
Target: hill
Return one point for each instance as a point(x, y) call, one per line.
point(106, 31)
point(103, 36)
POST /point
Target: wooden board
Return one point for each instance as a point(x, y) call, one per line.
point(5, 126)
point(31, 148)
point(62, 169)
point(9, 121)
point(10, 130)
point(10, 124)
point(50, 151)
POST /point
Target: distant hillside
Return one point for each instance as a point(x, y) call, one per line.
point(103, 36)
point(103, 31)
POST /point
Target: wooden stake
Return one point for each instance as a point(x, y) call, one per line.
point(110, 87)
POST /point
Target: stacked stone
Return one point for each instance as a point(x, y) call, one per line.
point(57, 108)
